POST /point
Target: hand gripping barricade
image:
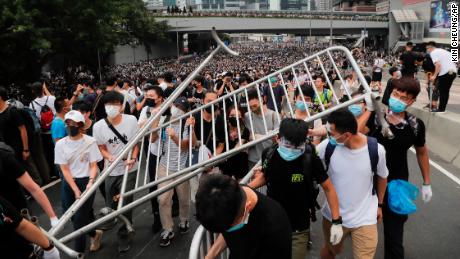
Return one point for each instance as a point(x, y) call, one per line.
point(180, 174)
point(203, 239)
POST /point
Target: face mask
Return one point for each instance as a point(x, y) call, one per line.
point(356, 109)
point(240, 225)
point(233, 121)
point(396, 105)
point(112, 111)
point(73, 130)
point(334, 142)
point(176, 112)
point(289, 154)
point(300, 105)
point(209, 109)
point(150, 103)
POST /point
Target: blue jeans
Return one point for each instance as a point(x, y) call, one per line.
point(84, 215)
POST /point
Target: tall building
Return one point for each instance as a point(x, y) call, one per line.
point(323, 5)
point(154, 4)
point(275, 5)
point(295, 5)
point(355, 6)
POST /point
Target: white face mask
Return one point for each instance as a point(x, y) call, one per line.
point(112, 111)
point(176, 112)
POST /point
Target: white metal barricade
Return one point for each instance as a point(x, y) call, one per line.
point(322, 61)
point(175, 157)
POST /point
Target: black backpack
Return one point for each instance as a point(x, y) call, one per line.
point(373, 148)
point(313, 191)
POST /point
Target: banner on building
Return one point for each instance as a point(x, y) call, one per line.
point(440, 15)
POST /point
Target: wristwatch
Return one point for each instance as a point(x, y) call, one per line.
point(337, 221)
point(380, 205)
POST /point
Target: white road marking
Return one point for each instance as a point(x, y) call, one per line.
point(442, 170)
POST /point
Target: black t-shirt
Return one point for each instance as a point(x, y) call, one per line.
point(267, 234)
point(408, 59)
point(388, 91)
point(12, 245)
point(208, 133)
point(287, 184)
point(396, 148)
point(168, 91)
point(10, 170)
point(10, 120)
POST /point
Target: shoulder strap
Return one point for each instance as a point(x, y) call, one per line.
point(373, 148)
point(306, 161)
point(115, 131)
point(87, 144)
point(270, 151)
point(328, 154)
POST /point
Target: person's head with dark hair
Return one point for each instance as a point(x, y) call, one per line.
point(199, 80)
point(234, 114)
point(341, 126)
point(379, 55)
point(293, 132)
point(209, 97)
point(409, 46)
point(154, 95)
point(392, 71)
point(254, 103)
point(83, 107)
point(430, 46)
point(111, 81)
point(245, 79)
point(113, 102)
point(62, 105)
point(307, 91)
point(405, 92)
point(320, 82)
point(168, 76)
point(3, 94)
point(37, 89)
point(221, 203)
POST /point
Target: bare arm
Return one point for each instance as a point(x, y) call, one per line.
point(362, 121)
point(26, 181)
point(331, 197)
point(25, 140)
point(32, 234)
point(381, 188)
point(70, 181)
point(424, 163)
point(220, 148)
point(258, 179)
point(105, 153)
point(216, 248)
point(45, 90)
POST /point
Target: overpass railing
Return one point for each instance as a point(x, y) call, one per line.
point(203, 239)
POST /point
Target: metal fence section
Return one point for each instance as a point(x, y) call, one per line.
point(322, 61)
point(182, 155)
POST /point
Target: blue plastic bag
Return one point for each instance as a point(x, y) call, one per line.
point(401, 197)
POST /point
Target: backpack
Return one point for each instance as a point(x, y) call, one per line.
point(31, 115)
point(428, 65)
point(46, 115)
point(373, 148)
point(313, 191)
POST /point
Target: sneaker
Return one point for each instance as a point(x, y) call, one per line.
point(156, 226)
point(166, 237)
point(184, 227)
point(437, 111)
point(96, 241)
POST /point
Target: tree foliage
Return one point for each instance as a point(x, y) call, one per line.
point(68, 33)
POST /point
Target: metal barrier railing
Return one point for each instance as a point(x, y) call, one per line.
point(203, 239)
point(177, 148)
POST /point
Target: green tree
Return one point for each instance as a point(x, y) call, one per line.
point(67, 33)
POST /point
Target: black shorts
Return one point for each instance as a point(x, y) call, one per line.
point(377, 76)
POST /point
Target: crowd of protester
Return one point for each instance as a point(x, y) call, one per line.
point(75, 132)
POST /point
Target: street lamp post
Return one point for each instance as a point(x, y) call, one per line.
point(330, 29)
point(177, 37)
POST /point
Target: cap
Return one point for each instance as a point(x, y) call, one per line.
point(75, 116)
point(273, 80)
point(182, 103)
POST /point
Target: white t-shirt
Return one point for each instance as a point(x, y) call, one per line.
point(37, 104)
point(379, 63)
point(130, 99)
point(104, 135)
point(77, 154)
point(445, 59)
point(163, 85)
point(155, 146)
point(351, 174)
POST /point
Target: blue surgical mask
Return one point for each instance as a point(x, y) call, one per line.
point(289, 154)
point(356, 109)
point(300, 105)
point(334, 142)
point(240, 225)
point(396, 105)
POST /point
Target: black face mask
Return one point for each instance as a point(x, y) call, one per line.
point(73, 130)
point(233, 121)
point(150, 103)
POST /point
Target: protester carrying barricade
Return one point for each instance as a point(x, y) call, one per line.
point(356, 165)
point(253, 225)
point(112, 135)
point(292, 170)
point(77, 155)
